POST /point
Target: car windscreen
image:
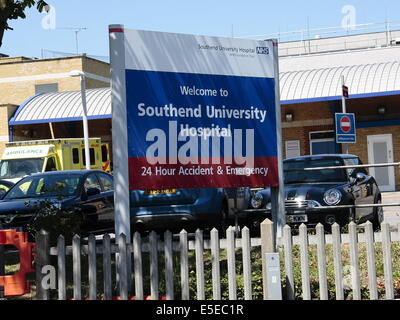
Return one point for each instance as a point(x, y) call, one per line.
point(45, 186)
point(14, 168)
point(294, 171)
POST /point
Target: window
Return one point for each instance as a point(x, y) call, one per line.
point(49, 186)
point(75, 155)
point(46, 88)
point(354, 162)
point(19, 191)
point(323, 142)
point(294, 171)
point(4, 168)
point(92, 182)
point(20, 167)
point(292, 148)
point(51, 164)
point(91, 154)
point(106, 181)
point(104, 153)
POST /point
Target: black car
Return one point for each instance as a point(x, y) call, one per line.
point(5, 185)
point(307, 191)
point(87, 193)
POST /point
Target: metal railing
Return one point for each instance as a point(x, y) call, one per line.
point(355, 206)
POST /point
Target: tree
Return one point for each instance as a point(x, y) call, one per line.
point(15, 9)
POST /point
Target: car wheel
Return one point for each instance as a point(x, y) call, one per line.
point(377, 216)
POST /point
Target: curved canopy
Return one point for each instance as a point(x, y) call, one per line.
point(362, 81)
point(295, 87)
point(63, 106)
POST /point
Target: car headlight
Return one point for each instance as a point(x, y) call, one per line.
point(257, 200)
point(332, 197)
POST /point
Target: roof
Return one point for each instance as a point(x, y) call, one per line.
point(366, 80)
point(326, 84)
point(63, 106)
point(334, 40)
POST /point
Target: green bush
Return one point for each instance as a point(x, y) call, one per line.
point(56, 222)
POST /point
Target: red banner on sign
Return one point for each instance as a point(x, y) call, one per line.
point(143, 175)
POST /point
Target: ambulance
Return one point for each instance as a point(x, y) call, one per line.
point(23, 158)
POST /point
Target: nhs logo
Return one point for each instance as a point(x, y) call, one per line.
point(262, 50)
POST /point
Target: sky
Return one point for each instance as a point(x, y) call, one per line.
point(41, 33)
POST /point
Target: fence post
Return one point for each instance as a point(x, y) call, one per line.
point(42, 259)
point(183, 245)
point(230, 248)
point(268, 245)
point(246, 253)
point(137, 264)
point(107, 282)
point(92, 267)
point(122, 267)
point(199, 252)
point(369, 235)
point(337, 261)
point(304, 261)
point(169, 267)
point(216, 275)
point(354, 262)
point(153, 252)
point(288, 247)
point(387, 260)
point(76, 259)
point(62, 282)
point(323, 286)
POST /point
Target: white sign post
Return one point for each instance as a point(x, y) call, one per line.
point(119, 131)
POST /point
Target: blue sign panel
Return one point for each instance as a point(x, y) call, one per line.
point(236, 120)
point(345, 128)
point(197, 112)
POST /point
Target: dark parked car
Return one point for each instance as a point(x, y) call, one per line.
point(89, 193)
point(306, 191)
point(5, 185)
point(177, 209)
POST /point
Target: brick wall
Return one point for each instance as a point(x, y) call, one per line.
point(16, 92)
point(306, 111)
point(6, 111)
point(306, 118)
point(17, 88)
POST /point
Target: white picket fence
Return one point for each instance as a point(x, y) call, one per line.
point(138, 268)
point(354, 240)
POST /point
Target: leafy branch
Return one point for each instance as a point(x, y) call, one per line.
point(15, 9)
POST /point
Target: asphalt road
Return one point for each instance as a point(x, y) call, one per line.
point(391, 214)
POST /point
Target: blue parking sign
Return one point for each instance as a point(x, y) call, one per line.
point(345, 128)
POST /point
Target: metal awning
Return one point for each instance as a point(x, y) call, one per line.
point(326, 84)
point(63, 106)
point(369, 80)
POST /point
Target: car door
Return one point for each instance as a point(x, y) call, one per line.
point(106, 220)
point(93, 202)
